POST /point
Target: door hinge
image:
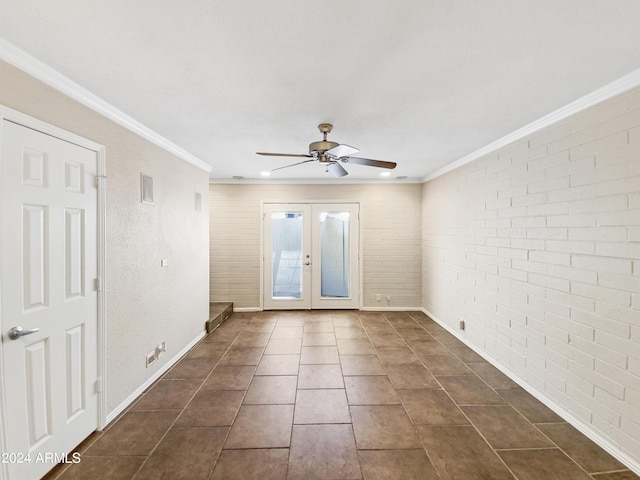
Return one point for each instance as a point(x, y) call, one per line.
point(97, 386)
point(98, 178)
point(97, 285)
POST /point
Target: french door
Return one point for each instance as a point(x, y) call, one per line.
point(311, 256)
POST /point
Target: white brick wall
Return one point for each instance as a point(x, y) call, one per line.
point(557, 301)
point(390, 224)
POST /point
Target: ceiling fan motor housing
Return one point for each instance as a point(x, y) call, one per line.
point(321, 146)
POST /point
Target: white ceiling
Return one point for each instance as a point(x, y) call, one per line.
point(419, 82)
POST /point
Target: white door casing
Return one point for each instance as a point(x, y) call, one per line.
point(49, 281)
point(315, 261)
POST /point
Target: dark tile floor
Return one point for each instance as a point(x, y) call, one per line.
point(337, 395)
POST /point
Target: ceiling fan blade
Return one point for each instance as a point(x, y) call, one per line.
point(341, 151)
point(285, 154)
point(294, 164)
point(337, 169)
point(369, 162)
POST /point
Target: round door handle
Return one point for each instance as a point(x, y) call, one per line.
point(307, 263)
point(17, 332)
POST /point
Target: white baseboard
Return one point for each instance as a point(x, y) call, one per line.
point(584, 428)
point(391, 309)
point(247, 309)
point(138, 391)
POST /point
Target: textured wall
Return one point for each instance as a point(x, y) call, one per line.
point(390, 224)
point(146, 304)
point(537, 247)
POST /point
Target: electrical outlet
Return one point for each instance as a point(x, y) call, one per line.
point(461, 324)
point(151, 357)
point(378, 297)
point(388, 298)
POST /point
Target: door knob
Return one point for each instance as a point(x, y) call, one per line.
point(307, 263)
point(17, 332)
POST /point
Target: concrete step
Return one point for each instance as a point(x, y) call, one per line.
point(218, 313)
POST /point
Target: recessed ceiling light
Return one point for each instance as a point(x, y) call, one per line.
point(265, 174)
point(385, 174)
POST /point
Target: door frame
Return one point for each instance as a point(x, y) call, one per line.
point(27, 121)
point(263, 203)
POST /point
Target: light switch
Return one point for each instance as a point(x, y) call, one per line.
point(164, 262)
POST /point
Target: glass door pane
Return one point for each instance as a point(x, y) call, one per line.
point(334, 254)
point(286, 255)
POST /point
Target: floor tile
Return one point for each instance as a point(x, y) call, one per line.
point(321, 406)
point(211, 408)
point(428, 347)
point(396, 464)
point(242, 356)
point(262, 464)
point(370, 390)
point(283, 346)
point(103, 468)
point(168, 395)
point(459, 452)
point(287, 332)
point(446, 338)
point(261, 426)
point(582, 450)
point(318, 326)
point(271, 390)
point(135, 433)
point(503, 427)
point(229, 377)
point(278, 365)
point(550, 464)
point(534, 410)
point(316, 339)
point(414, 334)
point(209, 350)
point(445, 365)
point(355, 346)
point(386, 339)
point(466, 354)
point(193, 368)
point(383, 427)
point(397, 356)
point(323, 452)
point(319, 355)
point(185, 454)
point(411, 376)
point(350, 332)
point(361, 365)
point(469, 390)
point(320, 376)
point(492, 376)
point(431, 407)
point(249, 339)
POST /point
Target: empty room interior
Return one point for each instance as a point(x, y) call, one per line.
point(334, 240)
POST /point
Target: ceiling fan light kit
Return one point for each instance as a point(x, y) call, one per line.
point(329, 153)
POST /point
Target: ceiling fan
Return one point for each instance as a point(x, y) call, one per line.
point(330, 153)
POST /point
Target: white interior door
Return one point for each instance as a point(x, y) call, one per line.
point(311, 257)
point(49, 299)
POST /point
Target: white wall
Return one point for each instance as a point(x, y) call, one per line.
point(146, 304)
point(390, 223)
point(537, 247)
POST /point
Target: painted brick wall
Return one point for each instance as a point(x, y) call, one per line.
point(537, 247)
point(390, 223)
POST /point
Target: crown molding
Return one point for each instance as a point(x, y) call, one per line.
point(37, 69)
point(623, 84)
